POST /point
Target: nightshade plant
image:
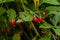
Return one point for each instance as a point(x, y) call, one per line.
point(29, 19)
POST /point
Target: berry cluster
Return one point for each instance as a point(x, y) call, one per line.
point(13, 22)
point(40, 19)
point(8, 30)
point(35, 19)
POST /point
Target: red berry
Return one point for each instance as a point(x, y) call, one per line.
point(2, 30)
point(35, 19)
point(40, 19)
point(30, 29)
point(44, 14)
point(13, 22)
point(19, 23)
point(8, 30)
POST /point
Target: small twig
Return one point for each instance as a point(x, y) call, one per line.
point(23, 6)
point(53, 36)
point(31, 34)
point(58, 37)
point(6, 6)
point(6, 32)
point(25, 33)
point(6, 24)
point(35, 37)
point(29, 30)
point(35, 29)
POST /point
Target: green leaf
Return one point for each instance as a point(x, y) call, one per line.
point(2, 10)
point(19, 20)
point(11, 14)
point(57, 26)
point(46, 37)
point(40, 2)
point(56, 11)
point(52, 12)
point(9, 0)
point(45, 25)
point(54, 2)
point(57, 31)
point(54, 22)
point(31, 7)
point(26, 16)
point(16, 37)
point(24, 1)
point(56, 19)
point(53, 8)
point(3, 1)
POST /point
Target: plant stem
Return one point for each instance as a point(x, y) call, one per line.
point(53, 36)
point(23, 6)
point(58, 37)
point(35, 29)
point(35, 37)
point(6, 24)
point(25, 33)
point(6, 6)
point(29, 30)
point(31, 34)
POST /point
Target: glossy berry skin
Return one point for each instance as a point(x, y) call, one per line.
point(13, 22)
point(40, 19)
point(19, 23)
point(44, 14)
point(35, 19)
point(30, 29)
point(2, 30)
